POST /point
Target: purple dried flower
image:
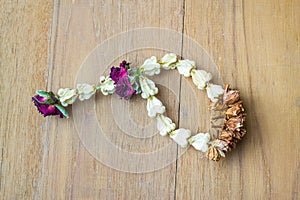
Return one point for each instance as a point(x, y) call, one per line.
point(124, 89)
point(124, 64)
point(117, 72)
point(45, 109)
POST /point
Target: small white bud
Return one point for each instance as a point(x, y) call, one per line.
point(168, 61)
point(67, 96)
point(200, 78)
point(164, 124)
point(180, 136)
point(154, 106)
point(200, 141)
point(85, 91)
point(148, 87)
point(150, 66)
point(184, 67)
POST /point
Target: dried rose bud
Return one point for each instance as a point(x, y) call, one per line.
point(44, 108)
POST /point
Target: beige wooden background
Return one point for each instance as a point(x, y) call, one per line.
point(256, 45)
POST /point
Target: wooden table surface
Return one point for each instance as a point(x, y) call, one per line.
point(256, 46)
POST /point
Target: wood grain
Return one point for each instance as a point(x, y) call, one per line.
point(23, 60)
point(256, 46)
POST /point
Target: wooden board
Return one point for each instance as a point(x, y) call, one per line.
point(255, 45)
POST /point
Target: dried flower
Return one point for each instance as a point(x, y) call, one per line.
point(154, 106)
point(230, 96)
point(214, 91)
point(150, 66)
point(233, 128)
point(148, 87)
point(235, 123)
point(117, 73)
point(213, 154)
point(44, 108)
point(200, 141)
point(164, 124)
point(180, 136)
point(67, 96)
point(168, 61)
point(124, 89)
point(200, 78)
point(124, 64)
point(184, 67)
point(85, 91)
point(226, 135)
point(107, 85)
point(235, 109)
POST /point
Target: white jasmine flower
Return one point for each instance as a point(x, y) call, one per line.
point(164, 124)
point(67, 96)
point(168, 61)
point(200, 141)
point(200, 78)
point(154, 106)
point(180, 136)
point(107, 85)
point(85, 91)
point(214, 91)
point(185, 66)
point(151, 66)
point(148, 87)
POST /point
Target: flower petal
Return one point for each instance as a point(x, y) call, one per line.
point(200, 141)
point(168, 61)
point(180, 136)
point(150, 66)
point(200, 78)
point(148, 87)
point(117, 72)
point(85, 91)
point(164, 124)
point(45, 109)
point(214, 91)
point(67, 96)
point(124, 89)
point(107, 85)
point(184, 67)
point(154, 106)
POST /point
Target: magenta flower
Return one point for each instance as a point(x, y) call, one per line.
point(120, 76)
point(124, 64)
point(124, 89)
point(117, 72)
point(46, 109)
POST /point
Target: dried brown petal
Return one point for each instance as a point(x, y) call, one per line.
point(235, 109)
point(213, 154)
point(243, 132)
point(230, 96)
point(237, 135)
point(235, 123)
point(226, 135)
point(218, 106)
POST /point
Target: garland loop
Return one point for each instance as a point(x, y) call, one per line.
point(126, 81)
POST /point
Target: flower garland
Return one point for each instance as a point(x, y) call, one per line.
point(126, 81)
